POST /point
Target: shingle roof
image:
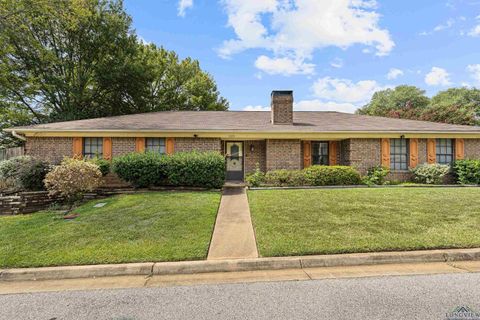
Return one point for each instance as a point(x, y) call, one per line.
point(251, 121)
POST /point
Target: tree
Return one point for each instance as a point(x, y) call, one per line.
point(404, 101)
point(456, 106)
point(76, 59)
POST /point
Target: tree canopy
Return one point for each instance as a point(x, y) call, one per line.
point(77, 59)
point(454, 105)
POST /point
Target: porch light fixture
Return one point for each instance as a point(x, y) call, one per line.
point(402, 136)
point(252, 148)
point(195, 135)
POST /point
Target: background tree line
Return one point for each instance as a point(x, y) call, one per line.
point(76, 59)
point(454, 105)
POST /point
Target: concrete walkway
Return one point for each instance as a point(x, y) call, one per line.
point(233, 236)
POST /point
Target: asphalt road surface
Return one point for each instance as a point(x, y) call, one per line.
point(402, 297)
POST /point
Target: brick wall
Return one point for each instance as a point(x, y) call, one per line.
point(49, 149)
point(282, 108)
point(361, 153)
point(198, 144)
point(472, 148)
point(422, 151)
point(283, 154)
point(257, 156)
point(122, 146)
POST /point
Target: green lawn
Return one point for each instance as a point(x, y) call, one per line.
point(298, 222)
point(161, 226)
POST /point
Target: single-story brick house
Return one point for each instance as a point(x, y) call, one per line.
point(279, 139)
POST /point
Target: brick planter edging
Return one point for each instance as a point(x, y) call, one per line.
point(208, 266)
point(371, 187)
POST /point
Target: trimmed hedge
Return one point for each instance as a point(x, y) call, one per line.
point(24, 173)
point(189, 169)
point(467, 171)
point(311, 176)
point(430, 173)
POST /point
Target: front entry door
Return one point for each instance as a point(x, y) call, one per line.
point(234, 159)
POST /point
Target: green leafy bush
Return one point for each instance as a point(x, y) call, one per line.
point(284, 177)
point(72, 177)
point(257, 178)
point(103, 165)
point(467, 171)
point(331, 176)
point(193, 169)
point(430, 173)
point(24, 173)
point(141, 169)
point(376, 176)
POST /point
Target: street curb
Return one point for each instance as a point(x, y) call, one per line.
point(208, 266)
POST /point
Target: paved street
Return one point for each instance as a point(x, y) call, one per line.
point(403, 297)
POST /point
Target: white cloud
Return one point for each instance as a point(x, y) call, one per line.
point(344, 90)
point(284, 66)
point(299, 27)
point(447, 25)
point(394, 73)
point(475, 32)
point(337, 63)
point(437, 77)
point(474, 70)
point(183, 5)
point(256, 108)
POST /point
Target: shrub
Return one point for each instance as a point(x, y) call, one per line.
point(331, 176)
point(72, 178)
point(194, 169)
point(257, 178)
point(284, 177)
point(103, 165)
point(23, 173)
point(141, 169)
point(467, 171)
point(376, 176)
point(430, 173)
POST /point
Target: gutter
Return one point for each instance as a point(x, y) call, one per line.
point(18, 136)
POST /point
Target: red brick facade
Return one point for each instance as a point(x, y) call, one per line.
point(49, 149)
point(258, 155)
point(197, 144)
point(283, 154)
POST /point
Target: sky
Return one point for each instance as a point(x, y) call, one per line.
point(334, 54)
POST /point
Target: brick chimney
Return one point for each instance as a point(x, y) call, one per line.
point(282, 107)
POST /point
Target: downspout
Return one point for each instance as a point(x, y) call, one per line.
point(18, 136)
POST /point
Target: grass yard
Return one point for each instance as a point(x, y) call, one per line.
point(302, 222)
point(161, 226)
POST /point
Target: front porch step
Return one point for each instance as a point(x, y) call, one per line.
point(234, 184)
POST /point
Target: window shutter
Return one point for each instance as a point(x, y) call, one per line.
point(307, 154)
point(413, 153)
point(431, 151)
point(386, 153)
point(107, 148)
point(332, 153)
point(77, 147)
point(459, 149)
point(140, 145)
point(170, 145)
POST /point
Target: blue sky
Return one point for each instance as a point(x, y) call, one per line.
point(333, 53)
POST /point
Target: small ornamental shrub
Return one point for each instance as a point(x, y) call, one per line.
point(467, 171)
point(195, 169)
point(23, 173)
point(103, 165)
point(141, 169)
point(331, 176)
point(284, 177)
point(376, 176)
point(191, 169)
point(72, 178)
point(257, 178)
point(430, 173)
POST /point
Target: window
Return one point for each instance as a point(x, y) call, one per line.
point(398, 154)
point(93, 147)
point(320, 153)
point(444, 151)
point(156, 145)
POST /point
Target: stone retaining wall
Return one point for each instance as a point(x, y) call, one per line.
point(26, 202)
